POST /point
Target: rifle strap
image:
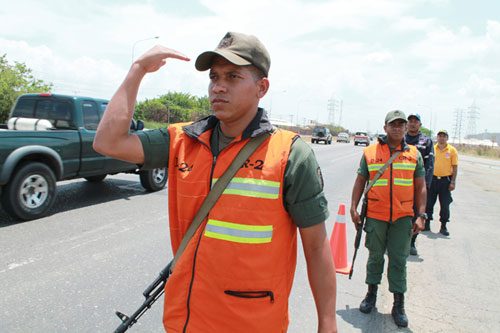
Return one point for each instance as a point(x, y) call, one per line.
point(217, 190)
point(380, 172)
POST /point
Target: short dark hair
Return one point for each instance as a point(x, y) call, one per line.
point(257, 74)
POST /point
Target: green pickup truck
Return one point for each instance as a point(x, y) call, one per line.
point(49, 138)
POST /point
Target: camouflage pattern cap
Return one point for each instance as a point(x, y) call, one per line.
point(238, 49)
point(395, 115)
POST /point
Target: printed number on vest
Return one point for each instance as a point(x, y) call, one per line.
point(183, 166)
point(256, 165)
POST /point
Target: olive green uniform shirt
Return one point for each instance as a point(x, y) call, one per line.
point(303, 195)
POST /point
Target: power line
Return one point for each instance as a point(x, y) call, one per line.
point(472, 116)
point(334, 106)
point(458, 121)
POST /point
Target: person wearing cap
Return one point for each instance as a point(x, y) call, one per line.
point(236, 273)
point(425, 146)
point(390, 210)
point(443, 180)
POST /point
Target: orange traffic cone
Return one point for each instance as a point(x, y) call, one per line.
point(338, 243)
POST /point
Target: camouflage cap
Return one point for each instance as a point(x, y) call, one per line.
point(238, 49)
point(395, 115)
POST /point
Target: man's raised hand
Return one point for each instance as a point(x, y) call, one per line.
point(155, 58)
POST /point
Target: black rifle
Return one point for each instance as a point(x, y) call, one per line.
point(152, 293)
point(359, 233)
point(359, 227)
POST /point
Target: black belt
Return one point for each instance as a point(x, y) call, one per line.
point(445, 177)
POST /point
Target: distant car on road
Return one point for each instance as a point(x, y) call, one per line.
point(343, 137)
point(361, 138)
point(321, 133)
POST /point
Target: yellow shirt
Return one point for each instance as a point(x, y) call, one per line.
point(444, 160)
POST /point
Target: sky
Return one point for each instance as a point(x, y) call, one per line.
point(346, 62)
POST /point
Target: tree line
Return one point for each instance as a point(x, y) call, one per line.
point(15, 80)
point(173, 107)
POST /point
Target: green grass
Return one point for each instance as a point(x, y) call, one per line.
point(481, 151)
point(154, 125)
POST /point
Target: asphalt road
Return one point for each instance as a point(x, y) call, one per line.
point(104, 243)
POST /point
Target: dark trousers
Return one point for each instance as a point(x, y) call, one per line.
point(439, 188)
point(413, 220)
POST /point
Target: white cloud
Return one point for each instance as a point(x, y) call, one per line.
point(443, 47)
point(379, 57)
point(410, 23)
point(83, 75)
point(375, 55)
point(478, 87)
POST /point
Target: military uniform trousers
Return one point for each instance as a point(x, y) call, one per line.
point(394, 237)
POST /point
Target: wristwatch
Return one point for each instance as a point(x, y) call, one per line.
point(424, 215)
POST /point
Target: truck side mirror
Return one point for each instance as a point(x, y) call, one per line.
point(133, 125)
point(140, 125)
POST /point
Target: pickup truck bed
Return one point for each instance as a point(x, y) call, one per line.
point(32, 161)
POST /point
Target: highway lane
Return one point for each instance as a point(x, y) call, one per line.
point(104, 243)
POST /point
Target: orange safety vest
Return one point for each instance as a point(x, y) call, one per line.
point(236, 273)
point(391, 197)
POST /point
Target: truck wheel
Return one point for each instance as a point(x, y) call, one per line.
point(154, 180)
point(96, 179)
point(31, 192)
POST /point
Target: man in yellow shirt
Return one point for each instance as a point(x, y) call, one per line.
point(443, 180)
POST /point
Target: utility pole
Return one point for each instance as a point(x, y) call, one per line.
point(332, 106)
point(472, 116)
point(457, 126)
point(331, 111)
point(340, 116)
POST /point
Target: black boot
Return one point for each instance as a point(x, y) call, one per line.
point(427, 225)
point(443, 230)
point(398, 310)
point(413, 248)
point(371, 297)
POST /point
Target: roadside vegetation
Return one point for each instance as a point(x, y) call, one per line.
point(173, 107)
point(480, 151)
point(15, 80)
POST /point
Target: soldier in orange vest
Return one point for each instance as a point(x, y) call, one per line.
point(390, 210)
point(236, 272)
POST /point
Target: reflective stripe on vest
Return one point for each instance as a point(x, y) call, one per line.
point(249, 187)
point(381, 182)
point(404, 166)
point(239, 233)
point(403, 181)
point(375, 167)
point(393, 194)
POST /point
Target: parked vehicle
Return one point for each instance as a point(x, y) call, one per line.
point(49, 139)
point(361, 138)
point(343, 137)
point(321, 133)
